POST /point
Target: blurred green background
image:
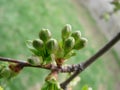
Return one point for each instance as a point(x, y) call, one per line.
point(21, 20)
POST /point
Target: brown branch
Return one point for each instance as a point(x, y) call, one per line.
point(92, 59)
point(63, 69)
point(26, 64)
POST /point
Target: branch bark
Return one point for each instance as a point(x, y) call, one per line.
point(62, 69)
point(26, 64)
point(92, 59)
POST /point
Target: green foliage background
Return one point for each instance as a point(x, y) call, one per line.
point(21, 20)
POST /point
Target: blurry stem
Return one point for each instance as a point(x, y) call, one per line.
point(92, 59)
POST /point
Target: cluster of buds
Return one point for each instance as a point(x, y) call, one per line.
point(71, 41)
point(43, 48)
point(47, 49)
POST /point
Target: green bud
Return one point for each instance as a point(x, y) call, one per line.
point(66, 31)
point(51, 84)
point(30, 61)
point(45, 34)
point(52, 45)
point(5, 72)
point(76, 35)
point(80, 43)
point(38, 44)
point(35, 60)
point(69, 43)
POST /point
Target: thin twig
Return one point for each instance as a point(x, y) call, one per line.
point(26, 64)
point(91, 60)
point(62, 69)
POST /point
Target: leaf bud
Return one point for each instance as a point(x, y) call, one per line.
point(30, 60)
point(35, 60)
point(51, 84)
point(52, 45)
point(66, 31)
point(76, 35)
point(5, 72)
point(38, 44)
point(45, 34)
point(80, 43)
point(69, 43)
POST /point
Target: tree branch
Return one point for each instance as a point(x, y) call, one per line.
point(84, 65)
point(26, 64)
point(63, 69)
